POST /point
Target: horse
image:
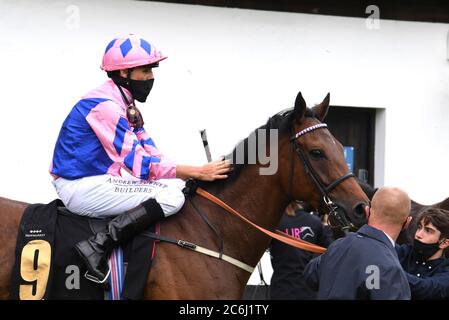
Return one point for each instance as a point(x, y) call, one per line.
point(310, 167)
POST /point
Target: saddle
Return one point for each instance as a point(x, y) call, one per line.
point(48, 267)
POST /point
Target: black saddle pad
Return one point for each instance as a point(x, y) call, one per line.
point(47, 266)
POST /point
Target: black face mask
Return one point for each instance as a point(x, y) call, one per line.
point(140, 89)
point(425, 250)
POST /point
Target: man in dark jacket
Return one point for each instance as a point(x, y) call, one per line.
point(427, 270)
point(364, 265)
point(287, 281)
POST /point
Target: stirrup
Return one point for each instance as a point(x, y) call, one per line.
point(92, 278)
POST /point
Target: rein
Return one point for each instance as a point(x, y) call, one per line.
point(325, 191)
point(278, 235)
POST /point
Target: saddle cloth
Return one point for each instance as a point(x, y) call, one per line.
point(48, 267)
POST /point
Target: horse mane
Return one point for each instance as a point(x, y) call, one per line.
point(282, 121)
point(367, 188)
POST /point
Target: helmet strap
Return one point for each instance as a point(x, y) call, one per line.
point(125, 99)
point(131, 107)
point(128, 77)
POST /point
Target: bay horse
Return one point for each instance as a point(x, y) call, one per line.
point(311, 167)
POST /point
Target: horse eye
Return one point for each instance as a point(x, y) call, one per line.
point(316, 153)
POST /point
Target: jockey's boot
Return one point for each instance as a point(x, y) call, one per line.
point(96, 250)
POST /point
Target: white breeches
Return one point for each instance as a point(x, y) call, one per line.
point(105, 195)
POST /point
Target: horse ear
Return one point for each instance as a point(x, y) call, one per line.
point(300, 107)
point(321, 109)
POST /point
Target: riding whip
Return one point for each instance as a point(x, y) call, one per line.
point(205, 144)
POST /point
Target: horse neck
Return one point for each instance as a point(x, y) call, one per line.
point(416, 208)
point(260, 196)
point(260, 199)
point(444, 204)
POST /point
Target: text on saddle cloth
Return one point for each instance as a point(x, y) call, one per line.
point(47, 266)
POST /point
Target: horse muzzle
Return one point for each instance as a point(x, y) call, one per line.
point(338, 216)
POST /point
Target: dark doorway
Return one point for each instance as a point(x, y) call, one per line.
point(355, 127)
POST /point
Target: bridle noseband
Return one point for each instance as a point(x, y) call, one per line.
point(334, 209)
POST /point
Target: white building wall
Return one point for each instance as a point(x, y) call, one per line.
point(228, 70)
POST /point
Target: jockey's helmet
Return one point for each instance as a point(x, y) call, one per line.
point(128, 52)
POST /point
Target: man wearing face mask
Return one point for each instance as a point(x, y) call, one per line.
point(364, 264)
point(106, 165)
point(426, 268)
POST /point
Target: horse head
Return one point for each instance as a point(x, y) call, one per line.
point(317, 156)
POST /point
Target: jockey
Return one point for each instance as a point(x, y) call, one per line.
point(105, 164)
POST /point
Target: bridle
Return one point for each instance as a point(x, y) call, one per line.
point(335, 210)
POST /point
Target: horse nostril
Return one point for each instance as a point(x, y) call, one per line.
point(359, 210)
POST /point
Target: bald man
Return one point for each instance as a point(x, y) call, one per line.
point(364, 265)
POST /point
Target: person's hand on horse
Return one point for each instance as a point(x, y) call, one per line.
point(135, 117)
point(215, 170)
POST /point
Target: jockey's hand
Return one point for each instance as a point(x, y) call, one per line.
point(215, 170)
point(134, 117)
